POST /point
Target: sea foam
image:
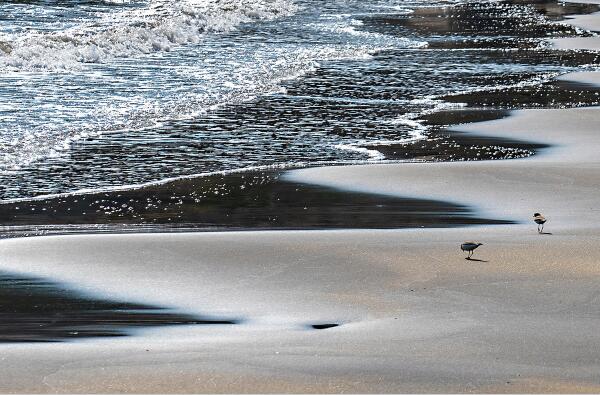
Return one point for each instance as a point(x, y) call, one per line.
point(159, 26)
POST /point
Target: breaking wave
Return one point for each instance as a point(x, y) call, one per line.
point(158, 27)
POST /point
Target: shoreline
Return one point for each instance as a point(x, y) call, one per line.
point(325, 122)
point(215, 202)
point(473, 178)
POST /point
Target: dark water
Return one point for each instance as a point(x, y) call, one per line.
point(257, 84)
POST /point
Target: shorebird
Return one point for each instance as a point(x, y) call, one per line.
point(540, 220)
point(469, 246)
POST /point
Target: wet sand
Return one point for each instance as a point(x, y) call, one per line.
point(240, 201)
point(39, 310)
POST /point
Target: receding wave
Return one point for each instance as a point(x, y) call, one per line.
point(215, 76)
point(160, 26)
point(105, 94)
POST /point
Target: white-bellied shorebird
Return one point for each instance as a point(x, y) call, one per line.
point(469, 246)
point(540, 220)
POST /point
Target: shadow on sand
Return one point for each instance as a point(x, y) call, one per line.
point(476, 260)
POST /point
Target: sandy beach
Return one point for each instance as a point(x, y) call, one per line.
point(411, 314)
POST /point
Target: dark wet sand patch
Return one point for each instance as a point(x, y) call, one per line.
point(454, 146)
point(33, 309)
point(553, 94)
point(445, 145)
point(323, 326)
point(259, 200)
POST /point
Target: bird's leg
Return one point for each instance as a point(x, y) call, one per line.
point(539, 231)
point(542, 229)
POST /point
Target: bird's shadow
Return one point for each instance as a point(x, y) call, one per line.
point(545, 233)
point(476, 260)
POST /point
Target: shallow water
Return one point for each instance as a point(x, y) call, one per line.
point(104, 94)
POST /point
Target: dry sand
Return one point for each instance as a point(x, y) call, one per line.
point(584, 43)
point(586, 22)
point(416, 316)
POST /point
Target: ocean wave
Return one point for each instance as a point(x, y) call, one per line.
point(146, 93)
point(158, 27)
point(350, 29)
point(27, 144)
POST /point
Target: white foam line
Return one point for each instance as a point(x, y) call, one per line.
point(374, 155)
point(537, 80)
point(308, 62)
point(351, 99)
point(131, 187)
